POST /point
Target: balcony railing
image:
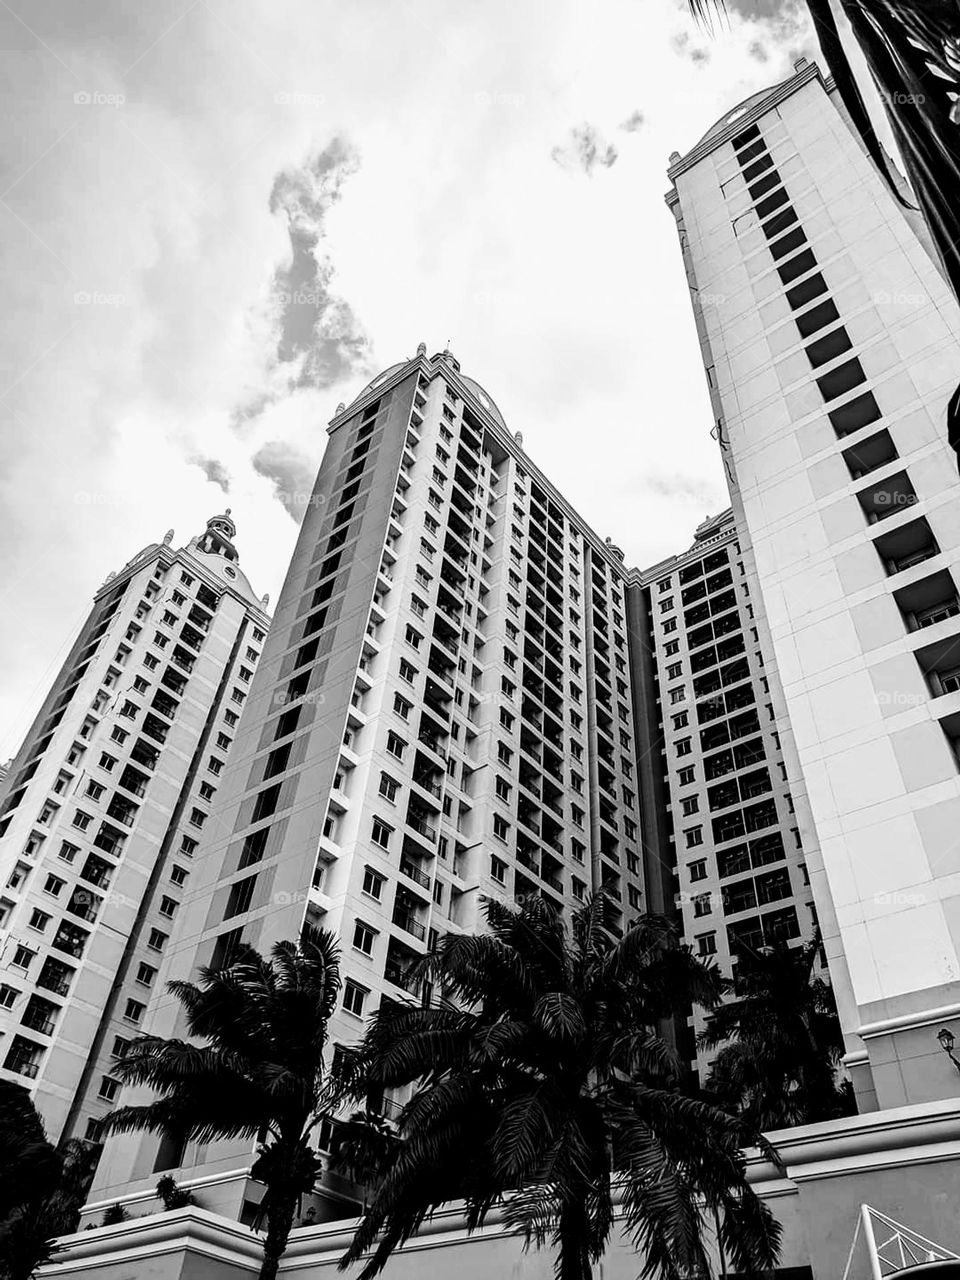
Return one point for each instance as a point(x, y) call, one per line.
point(407, 868)
point(398, 976)
point(37, 1022)
point(407, 923)
point(422, 828)
point(22, 1066)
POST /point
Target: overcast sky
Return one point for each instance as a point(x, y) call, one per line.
point(218, 219)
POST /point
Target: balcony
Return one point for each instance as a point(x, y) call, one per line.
point(397, 974)
point(40, 1016)
point(909, 545)
point(422, 828)
point(412, 872)
point(22, 1065)
point(403, 920)
point(55, 977)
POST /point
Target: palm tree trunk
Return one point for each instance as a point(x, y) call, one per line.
point(572, 1233)
point(279, 1224)
point(720, 1253)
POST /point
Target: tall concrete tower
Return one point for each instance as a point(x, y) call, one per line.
point(103, 808)
point(831, 345)
point(443, 712)
point(716, 803)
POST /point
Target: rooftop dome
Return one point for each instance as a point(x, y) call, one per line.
point(485, 400)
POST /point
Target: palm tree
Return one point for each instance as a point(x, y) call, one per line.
point(542, 1084)
point(31, 1167)
point(780, 1041)
point(363, 1149)
point(46, 1208)
point(260, 1074)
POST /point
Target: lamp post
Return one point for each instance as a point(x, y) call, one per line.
point(947, 1041)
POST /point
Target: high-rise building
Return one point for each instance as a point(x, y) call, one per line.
point(103, 809)
point(718, 813)
point(832, 344)
point(443, 712)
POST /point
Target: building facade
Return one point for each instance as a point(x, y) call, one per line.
point(443, 712)
point(717, 805)
point(831, 345)
point(103, 809)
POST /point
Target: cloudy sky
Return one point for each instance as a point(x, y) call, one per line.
point(218, 219)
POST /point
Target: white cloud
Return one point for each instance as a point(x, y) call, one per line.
point(449, 221)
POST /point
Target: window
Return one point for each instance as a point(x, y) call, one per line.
point(168, 907)
point(53, 886)
point(363, 937)
point(82, 820)
point(687, 776)
point(402, 707)
point(678, 695)
point(353, 997)
point(197, 817)
point(188, 846)
point(634, 897)
point(179, 875)
point(395, 745)
point(706, 944)
point(698, 870)
point(501, 828)
point(8, 995)
point(157, 939)
point(107, 761)
point(498, 869)
point(693, 836)
point(240, 897)
point(223, 742)
point(133, 1010)
point(39, 919)
point(230, 718)
point(669, 625)
point(702, 905)
point(504, 754)
point(215, 765)
point(21, 957)
point(503, 788)
point(18, 875)
point(381, 833)
point(145, 974)
point(373, 883)
point(68, 851)
point(408, 671)
point(389, 787)
point(94, 791)
point(412, 637)
point(109, 1088)
point(690, 805)
point(683, 747)
point(118, 735)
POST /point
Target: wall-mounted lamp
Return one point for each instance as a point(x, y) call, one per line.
point(947, 1041)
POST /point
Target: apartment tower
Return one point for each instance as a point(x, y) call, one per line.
point(718, 813)
point(831, 345)
point(103, 809)
point(443, 713)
